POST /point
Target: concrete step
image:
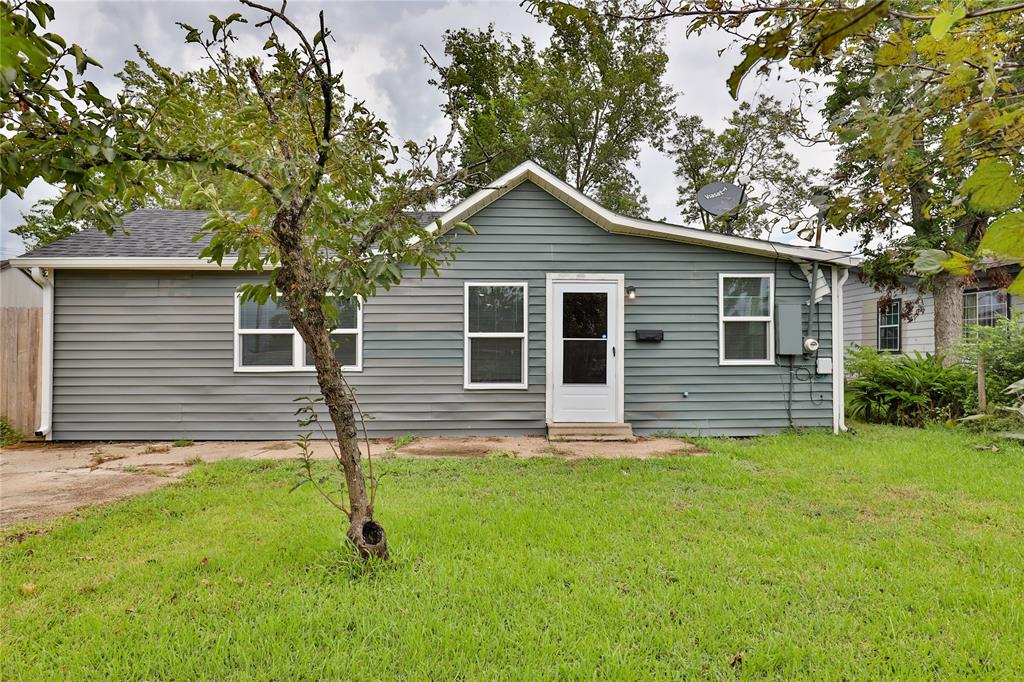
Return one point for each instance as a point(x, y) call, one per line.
point(569, 432)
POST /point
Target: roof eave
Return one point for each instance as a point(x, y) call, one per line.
point(122, 263)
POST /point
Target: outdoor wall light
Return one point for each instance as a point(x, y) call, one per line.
point(631, 293)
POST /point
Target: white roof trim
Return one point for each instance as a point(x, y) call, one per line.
point(620, 224)
point(526, 171)
point(123, 263)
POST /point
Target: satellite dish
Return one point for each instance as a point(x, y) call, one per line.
point(718, 198)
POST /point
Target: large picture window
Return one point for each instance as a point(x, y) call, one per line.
point(265, 340)
point(746, 331)
point(889, 326)
point(495, 335)
point(985, 307)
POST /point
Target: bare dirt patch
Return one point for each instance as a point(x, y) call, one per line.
point(39, 481)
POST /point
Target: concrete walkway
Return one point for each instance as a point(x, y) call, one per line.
point(39, 481)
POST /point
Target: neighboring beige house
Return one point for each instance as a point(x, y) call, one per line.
point(17, 290)
point(865, 324)
point(21, 310)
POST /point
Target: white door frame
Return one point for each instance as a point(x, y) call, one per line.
point(549, 336)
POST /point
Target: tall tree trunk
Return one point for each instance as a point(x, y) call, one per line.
point(948, 295)
point(303, 298)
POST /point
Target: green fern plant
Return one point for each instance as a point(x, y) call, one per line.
point(907, 390)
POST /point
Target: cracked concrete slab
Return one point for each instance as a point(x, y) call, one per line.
point(39, 481)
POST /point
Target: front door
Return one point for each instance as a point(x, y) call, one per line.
point(584, 380)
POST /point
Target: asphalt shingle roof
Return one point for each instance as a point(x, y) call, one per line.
point(149, 232)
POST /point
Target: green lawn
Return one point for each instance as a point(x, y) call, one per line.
point(890, 553)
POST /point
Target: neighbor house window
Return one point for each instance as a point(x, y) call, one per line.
point(265, 340)
point(746, 334)
point(889, 326)
point(985, 307)
point(495, 343)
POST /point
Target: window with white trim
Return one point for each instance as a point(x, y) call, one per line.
point(746, 319)
point(495, 335)
point(889, 326)
point(265, 340)
point(985, 307)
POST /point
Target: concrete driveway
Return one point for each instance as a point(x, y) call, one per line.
point(39, 481)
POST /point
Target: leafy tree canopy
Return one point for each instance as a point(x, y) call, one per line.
point(582, 106)
point(752, 147)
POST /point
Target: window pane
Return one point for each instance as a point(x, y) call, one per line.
point(585, 362)
point(266, 350)
point(970, 308)
point(344, 349)
point(889, 316)
point(496, 361)
point(347, 312)
point(495, 309)
point(746, 340)
point(991, 306)
point(888, 338)
point(267, 316)
point(585, 315)
point(746, 297)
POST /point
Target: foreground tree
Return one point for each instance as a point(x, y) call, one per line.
point(326, 219)
point(582, 106)
point(937, 123)
point(752, 147)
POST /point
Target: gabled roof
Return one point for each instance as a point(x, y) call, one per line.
point(162, 238)
point(620, 224)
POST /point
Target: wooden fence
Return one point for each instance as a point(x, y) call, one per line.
point(20, 343)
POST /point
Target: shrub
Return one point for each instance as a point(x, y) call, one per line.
point(1002, 347)
point(907, 390)
point(8, 434)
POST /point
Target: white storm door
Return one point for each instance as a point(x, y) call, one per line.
point(584, 368)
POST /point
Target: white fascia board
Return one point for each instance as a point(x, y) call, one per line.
point(619, 224)
point(123, 263)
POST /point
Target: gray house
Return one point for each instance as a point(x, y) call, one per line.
point(558, 312)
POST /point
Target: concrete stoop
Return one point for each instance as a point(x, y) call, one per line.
point(565, 433)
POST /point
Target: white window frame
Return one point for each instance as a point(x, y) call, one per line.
point(769, 318)
point(975, 293)
point(467, 335)
point(298, 346)
point(899, 328)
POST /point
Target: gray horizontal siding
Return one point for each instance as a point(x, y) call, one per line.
point(143, 355)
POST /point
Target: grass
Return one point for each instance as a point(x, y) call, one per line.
point(892, 553)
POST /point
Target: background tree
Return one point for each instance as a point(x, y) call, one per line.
point(582, 106)
point(958, 123)
point(328, 220)
point(752, 146)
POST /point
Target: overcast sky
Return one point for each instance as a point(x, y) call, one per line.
point(378, 45)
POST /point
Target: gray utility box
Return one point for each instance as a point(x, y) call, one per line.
point(789, 333)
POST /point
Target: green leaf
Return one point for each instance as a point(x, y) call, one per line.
point(1005, 237)
point(837, 26)
point(773, 46)
point(929, 261)
point(992, 187)
point(958, 264)
point(944, 21)
point(1017, 286)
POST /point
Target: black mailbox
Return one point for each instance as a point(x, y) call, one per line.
point(650, 335)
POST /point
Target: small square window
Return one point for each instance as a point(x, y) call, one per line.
point(746, 319)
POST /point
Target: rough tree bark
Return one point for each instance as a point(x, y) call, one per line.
point(303, 298)
point(948, 295)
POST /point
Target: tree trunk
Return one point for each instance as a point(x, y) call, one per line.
point(948, 296)
point(303, 297)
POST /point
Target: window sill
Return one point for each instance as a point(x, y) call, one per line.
point(290, 370)
point(495, 387)
point(746, 363)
